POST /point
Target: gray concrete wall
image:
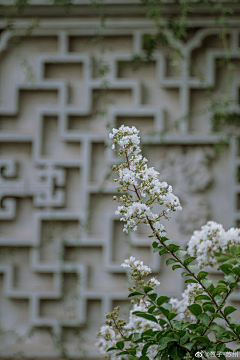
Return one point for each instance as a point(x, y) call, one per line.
point(61, 245)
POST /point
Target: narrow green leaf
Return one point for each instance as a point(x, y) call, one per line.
point(202, 297)
point(145, 316)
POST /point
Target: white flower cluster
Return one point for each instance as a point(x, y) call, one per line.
point(136, 265)
point(134, 172)
point(211, 239)
point(181, 306)
point(109, 338)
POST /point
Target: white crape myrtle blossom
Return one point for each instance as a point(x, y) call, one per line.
point(109, 336)
point(181, 306)
point(211, 239)
point(134, 175)
point(136, 265)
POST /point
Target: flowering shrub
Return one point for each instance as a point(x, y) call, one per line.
point(162, 327)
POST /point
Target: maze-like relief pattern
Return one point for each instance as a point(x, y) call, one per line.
point(61, 245)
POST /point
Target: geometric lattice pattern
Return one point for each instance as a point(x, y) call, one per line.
point(61, 244)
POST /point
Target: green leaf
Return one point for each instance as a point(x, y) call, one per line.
point(193, 268)
point(189, 260)
point(184, 338)
point(217, 316)
point(185, 273)
point(152, 294)
point(120, 345)
point(236, 270)
point(176, 267)
point(163, 239)
point(234, 250)
point(162, 299)
point(190, 281)
point(163, 251)
point(238, 330)
point(112, 348)
point(189, 345)
point(202, 297)
point(201, 275)
point(145, 316)
point(164, 311)
point(137, 292)
point(159, 248)
point(147, 289)
point(171, 261)
point(223, 258)
point(163, 342)
point(171, 315)
point(181, 253)
point(209, 308)
point(220, 347)
point(207, 283)
point(162, 322)
point(167, 306)
point(202, 339)
point(219, 289)
point(232, 285)
point(204, 318)
point(168, 242)
point(195, 309)
point(230, 278)
point(173, 248)
point(228, 310)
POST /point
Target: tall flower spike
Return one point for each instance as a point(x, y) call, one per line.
point(134, 175)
